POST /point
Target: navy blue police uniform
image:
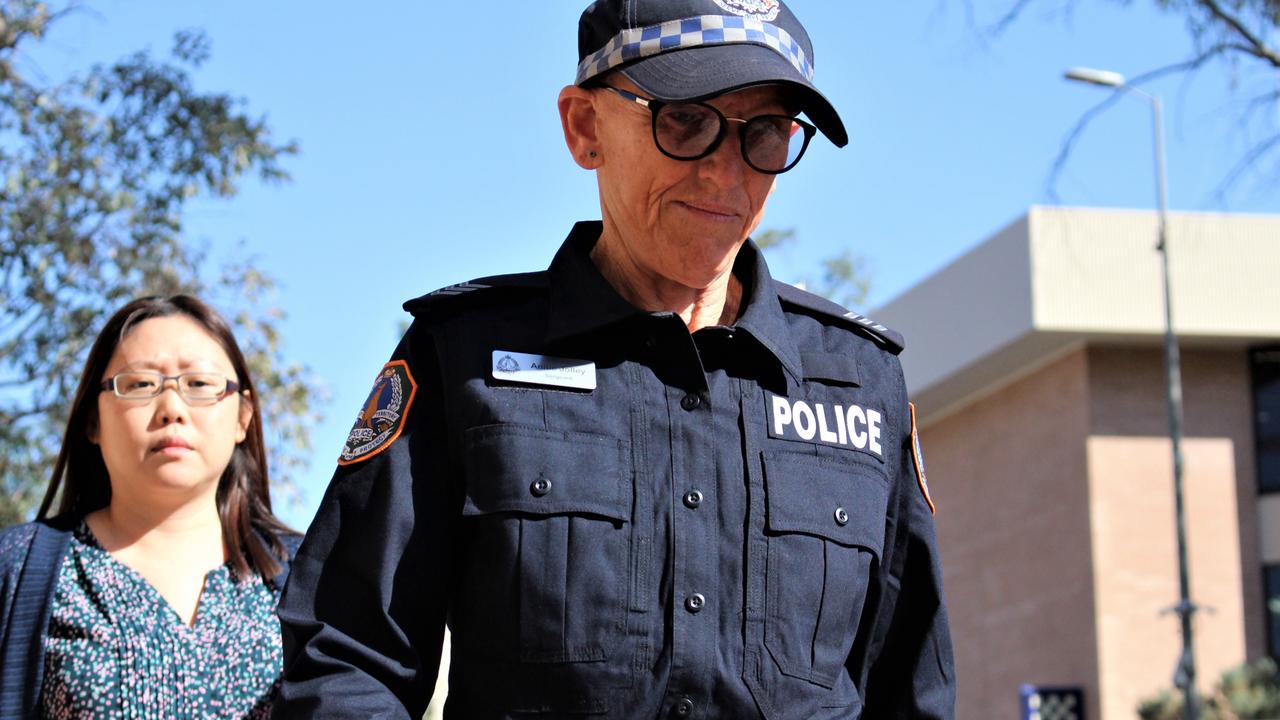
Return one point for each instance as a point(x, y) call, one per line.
point(617, 518)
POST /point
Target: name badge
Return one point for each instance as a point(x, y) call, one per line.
point(850, 426)
point(544, 370)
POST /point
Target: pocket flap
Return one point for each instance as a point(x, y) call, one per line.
point(516, 468)
point(842, 502)
point(831, 367)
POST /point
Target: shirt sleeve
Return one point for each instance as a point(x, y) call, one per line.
point(362, 615)
point(912, 673)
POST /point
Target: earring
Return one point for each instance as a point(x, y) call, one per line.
point(592, 154)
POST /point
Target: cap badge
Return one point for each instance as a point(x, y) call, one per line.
point(766, 10)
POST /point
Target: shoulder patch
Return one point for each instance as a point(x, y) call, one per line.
point(383, 415)
point(917, 458)
point(886, 338)
point(473, 288)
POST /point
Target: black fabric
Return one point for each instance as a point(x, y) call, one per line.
point(33, 574)
point(643, 549)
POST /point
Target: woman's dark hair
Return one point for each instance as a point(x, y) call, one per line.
point(249, 530)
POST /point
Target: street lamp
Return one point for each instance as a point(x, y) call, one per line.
point(1185, 675)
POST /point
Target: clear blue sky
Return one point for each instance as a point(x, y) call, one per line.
point(431, 150)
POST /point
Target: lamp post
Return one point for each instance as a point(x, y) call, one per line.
point(1184, 676)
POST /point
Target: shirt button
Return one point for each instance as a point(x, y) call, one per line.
point(842, 517)
point(684, 708)
point(690, 401)
point(695, 602)
point(692, 499)
point(540, 487)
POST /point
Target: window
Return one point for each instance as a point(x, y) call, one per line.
point(1271, 583)
point(1265, 365)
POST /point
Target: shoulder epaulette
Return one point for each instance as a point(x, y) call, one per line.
point(889, 339)
point(474, 288)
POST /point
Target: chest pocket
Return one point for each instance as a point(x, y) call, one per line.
point(825, 526)
point(548, 543)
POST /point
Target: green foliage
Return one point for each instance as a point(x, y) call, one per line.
point(1246, 692)
point(95, 173)
point(1252, 692)
point(1165, 706)
point(774, 238)
point(845, 278)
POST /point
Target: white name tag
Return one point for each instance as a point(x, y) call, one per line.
point(544, 370)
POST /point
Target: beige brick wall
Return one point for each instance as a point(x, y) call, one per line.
point(1127, 398)
point(1009, 477)
point(1136, 571)
point(1056, 525)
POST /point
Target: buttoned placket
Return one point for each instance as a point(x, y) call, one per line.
point(707, 508)
point(691, 556)
point(687, 595)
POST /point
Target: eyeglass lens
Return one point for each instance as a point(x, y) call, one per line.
point(194, 386)
point(771, 143)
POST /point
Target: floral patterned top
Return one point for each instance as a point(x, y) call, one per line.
point(115, 648)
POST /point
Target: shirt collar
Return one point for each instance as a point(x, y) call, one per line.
point(582, 300)
point(762, 315)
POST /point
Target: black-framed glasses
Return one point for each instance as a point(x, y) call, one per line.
point(197, 388)
point(771, 144)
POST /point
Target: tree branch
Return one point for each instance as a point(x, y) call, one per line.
point(16, 337)
point(1009, 17)
point(1068, 143)
point(11, 415)
point(1255, 153)
point(1256, 46)
point(16, 312)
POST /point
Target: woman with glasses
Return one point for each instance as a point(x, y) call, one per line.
point(151, 592)
point(651, 481)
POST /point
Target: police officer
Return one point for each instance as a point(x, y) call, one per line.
point(650, 481)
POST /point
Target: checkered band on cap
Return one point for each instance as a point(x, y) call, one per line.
point(701, 31)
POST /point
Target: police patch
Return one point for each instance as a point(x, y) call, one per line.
point(766, 10)
point(917, 455)
point(852, 427)
point(383, 415)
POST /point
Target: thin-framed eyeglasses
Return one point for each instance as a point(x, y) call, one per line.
point(197, 388)
point(771, 144)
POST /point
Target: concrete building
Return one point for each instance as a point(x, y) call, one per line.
point(1035, 363)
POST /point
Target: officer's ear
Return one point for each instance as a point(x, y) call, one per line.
point(579, 118)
